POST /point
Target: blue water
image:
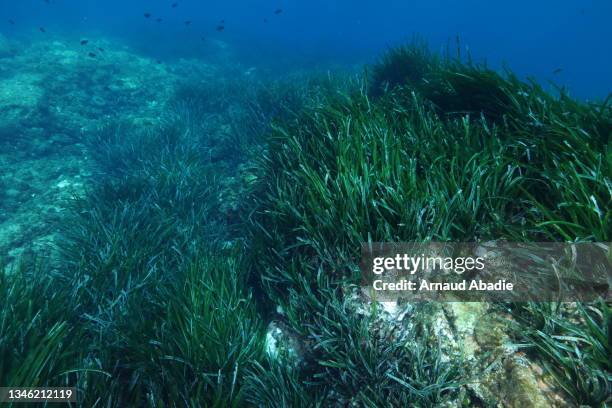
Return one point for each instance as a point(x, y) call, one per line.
point(534, 38)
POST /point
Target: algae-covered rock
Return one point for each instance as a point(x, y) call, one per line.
point(502, 376)
point(19, 99)
point(514, 383)
point(282, 344)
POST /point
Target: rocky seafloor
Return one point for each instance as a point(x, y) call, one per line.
point(53, 97)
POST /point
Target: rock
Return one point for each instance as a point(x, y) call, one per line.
point(19, 98)
point(506, 378)
point(281, 344)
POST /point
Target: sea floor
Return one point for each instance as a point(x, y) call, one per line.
point(55, 100)
point(54, 97)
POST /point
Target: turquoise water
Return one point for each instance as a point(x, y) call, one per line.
point(534, 38)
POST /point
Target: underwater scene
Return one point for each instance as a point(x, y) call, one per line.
point(191, 192)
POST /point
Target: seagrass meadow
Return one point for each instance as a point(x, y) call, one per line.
point(202, 250)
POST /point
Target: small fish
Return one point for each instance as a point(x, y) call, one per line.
point(42, 29)
point(159, 20)
point(147, 15)
point(278, 11)
point(47, 1)
point(101, 49)
point(222, 21)
point(159, 61)
point(265, 20)
point(174, 5)
point(558, 71)
point(84, 42)
point(220, 28)
point(92, 55)
point(188, 22)
point(11, 21)
point(203, 38)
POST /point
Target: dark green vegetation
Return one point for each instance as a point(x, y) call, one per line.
point(36, 334)
point(150, 304)
point(573, 342)
point(147, 302)
point(268, 189)
point(452, 151)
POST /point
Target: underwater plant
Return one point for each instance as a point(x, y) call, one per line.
point(274, 384)
point(248, 201)
point(38, 338)
point(360, 365)
point(212, 333)
point(572, 341)
point(402, 65)
point(449, 151)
